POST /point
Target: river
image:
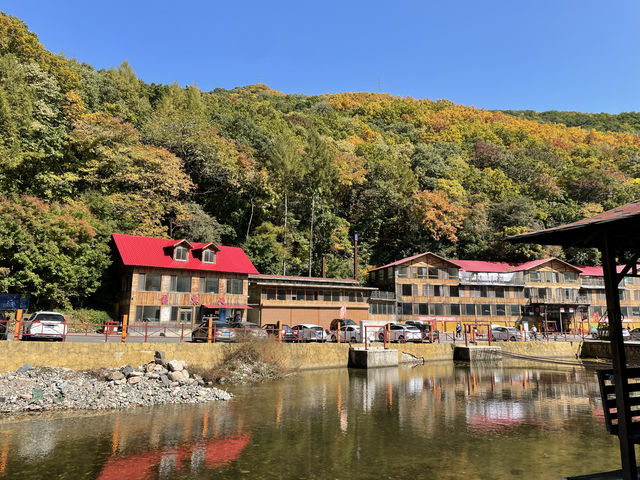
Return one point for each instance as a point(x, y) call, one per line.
point(441, 421)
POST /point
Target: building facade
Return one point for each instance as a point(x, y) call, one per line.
point(175, 281)
point(293, 300)
point(548, 293)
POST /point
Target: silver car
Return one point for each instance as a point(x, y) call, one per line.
point(307, 332)
point(352, 334)
point(507, 334)
point(400, 333)
point(45, 325)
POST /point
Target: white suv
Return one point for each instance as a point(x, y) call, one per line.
point(45, 325)
point(507, 334)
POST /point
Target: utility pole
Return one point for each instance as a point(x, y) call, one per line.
point(355, 259)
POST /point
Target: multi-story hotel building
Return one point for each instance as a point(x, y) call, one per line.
point(177, 281)
point(543, 292)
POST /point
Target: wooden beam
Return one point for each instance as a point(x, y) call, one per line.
point(611, 280)
point(630, 265)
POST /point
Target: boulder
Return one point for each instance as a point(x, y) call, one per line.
point(24, 368)
point(126, 370)
point(175, 376)
point(165, 380)
point(134, 380)
point(115, 376)
point(135, 373)
point(159, 357)
point(174, 366)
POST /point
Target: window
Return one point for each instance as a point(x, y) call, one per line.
point(180, 283)
point(485, 309)
point(423, 309)
point(500, 309)
point(534, 276)
point(421, 272)
point(311, 295)
point(407, 308)
point(570, 277)
point(352, 296)
point(181, 253)
point(635, 311)
point(271, 294)
point(235, 286)
point(624, 312)
point(484, 292)
point(335, 295)
point(209, 256)
point(373, 308)
point(282, 294)
point(406, 290)
point(436, 309)
point(514, 310)
point(297, 295)
point(453, 273)
point(148, 314)
point(469, 309)
point(454, 291)
point(499, 292)
point(433, 272)
point(326, 295)
point(454, 308)
point(209, 285)
point(149, 282)
point(403, 272)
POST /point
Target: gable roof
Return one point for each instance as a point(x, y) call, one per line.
point(413, 257)
point(151, 252)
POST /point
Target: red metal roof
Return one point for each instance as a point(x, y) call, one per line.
point(294, 277)
point(597, 271)
point(156, 252)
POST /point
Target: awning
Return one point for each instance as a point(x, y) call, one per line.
point(236, 307)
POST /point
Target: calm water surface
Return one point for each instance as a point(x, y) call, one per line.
point(434, 421)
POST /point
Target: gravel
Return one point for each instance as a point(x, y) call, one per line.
point(38, 389)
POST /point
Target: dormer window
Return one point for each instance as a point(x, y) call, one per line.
point(181, 253)
point(209, 256)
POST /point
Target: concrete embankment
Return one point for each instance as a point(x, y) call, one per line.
point(84, 356)
point(602, 349)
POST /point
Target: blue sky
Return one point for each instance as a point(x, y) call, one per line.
point(540, 55)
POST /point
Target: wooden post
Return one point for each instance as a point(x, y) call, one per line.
point(209, 329)
point(124, 327)
point(627, 449)
point(323, 267)
point(16, 333)
point(339, 333)
point(355, 258)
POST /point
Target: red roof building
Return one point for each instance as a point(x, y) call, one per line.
point(428, 287)
point(173, 282)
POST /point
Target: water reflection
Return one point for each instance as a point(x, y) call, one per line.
point(440, 421)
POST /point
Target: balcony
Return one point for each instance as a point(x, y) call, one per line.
point(555, 299)
point(492, 279)
point(378, 295)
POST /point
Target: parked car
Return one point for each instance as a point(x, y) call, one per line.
point(602, 332)
point(4, 321)
point(272, 329)
point(400, 333)
point(248, 329)
point(635, 334)
point(220, 331)
point(306, 332)
point(425, 328)
point(351, 334)
point(45, 325)
point(507, 334)
point(342, 321)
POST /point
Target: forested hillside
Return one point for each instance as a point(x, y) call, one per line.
point(85, 153)
point(628, 122)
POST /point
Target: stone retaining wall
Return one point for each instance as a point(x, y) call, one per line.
point(83, 356)
point(602, 349)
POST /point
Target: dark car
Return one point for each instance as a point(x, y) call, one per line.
point(220, 332)
point(635, 334)
point(425, 328)
point(4, 321)
point(344, 322)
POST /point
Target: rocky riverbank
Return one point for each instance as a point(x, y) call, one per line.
point(38, 389)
